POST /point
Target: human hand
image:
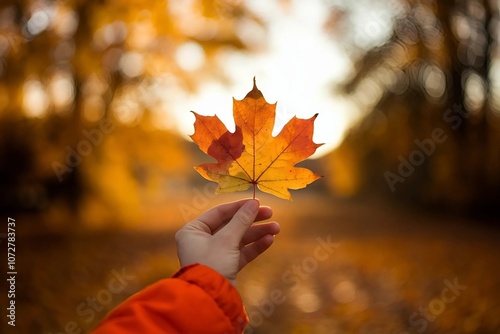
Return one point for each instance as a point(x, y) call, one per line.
point(224, 238)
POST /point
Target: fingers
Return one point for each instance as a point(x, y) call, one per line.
point(255, 232)
point(265, 212)
point(220, 215)
point(250, 252)
point(241, 221)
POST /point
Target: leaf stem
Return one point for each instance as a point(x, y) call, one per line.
point(254, 185)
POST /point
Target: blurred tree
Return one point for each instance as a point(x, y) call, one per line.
point(440, 69)
point(85, 97)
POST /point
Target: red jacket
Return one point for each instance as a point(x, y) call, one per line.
point(196, 300)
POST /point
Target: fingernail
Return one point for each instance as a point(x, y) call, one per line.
point(252, 205)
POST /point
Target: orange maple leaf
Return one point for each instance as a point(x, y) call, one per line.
point(251, 156)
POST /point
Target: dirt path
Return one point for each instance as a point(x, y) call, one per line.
point(338, 267)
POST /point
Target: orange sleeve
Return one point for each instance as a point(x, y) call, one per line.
point(195, 300)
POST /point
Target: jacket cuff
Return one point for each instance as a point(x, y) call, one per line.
point(219, 289)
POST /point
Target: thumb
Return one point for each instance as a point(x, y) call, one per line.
point(242, 220)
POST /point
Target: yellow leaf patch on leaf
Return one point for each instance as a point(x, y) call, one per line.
point(251, 156)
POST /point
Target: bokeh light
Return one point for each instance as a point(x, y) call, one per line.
point(35, 99)
point(97, 162)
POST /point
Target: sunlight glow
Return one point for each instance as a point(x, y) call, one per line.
point(475, 92)
point(344, 292)
point(38, 22)
point(62, 90)
point(308, 302)
point(93, 105)
point(66, 24)
point(434, 81)
point(299, 68)
point(132, 64)
point(190, 56)
point(126, 104)
point(35, 99)
point(494, 77)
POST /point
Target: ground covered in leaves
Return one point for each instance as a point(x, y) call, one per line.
point(337, 267)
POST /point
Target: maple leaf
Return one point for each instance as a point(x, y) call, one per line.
point(251, 156)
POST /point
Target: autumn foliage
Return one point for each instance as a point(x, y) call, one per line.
point(251, 156)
